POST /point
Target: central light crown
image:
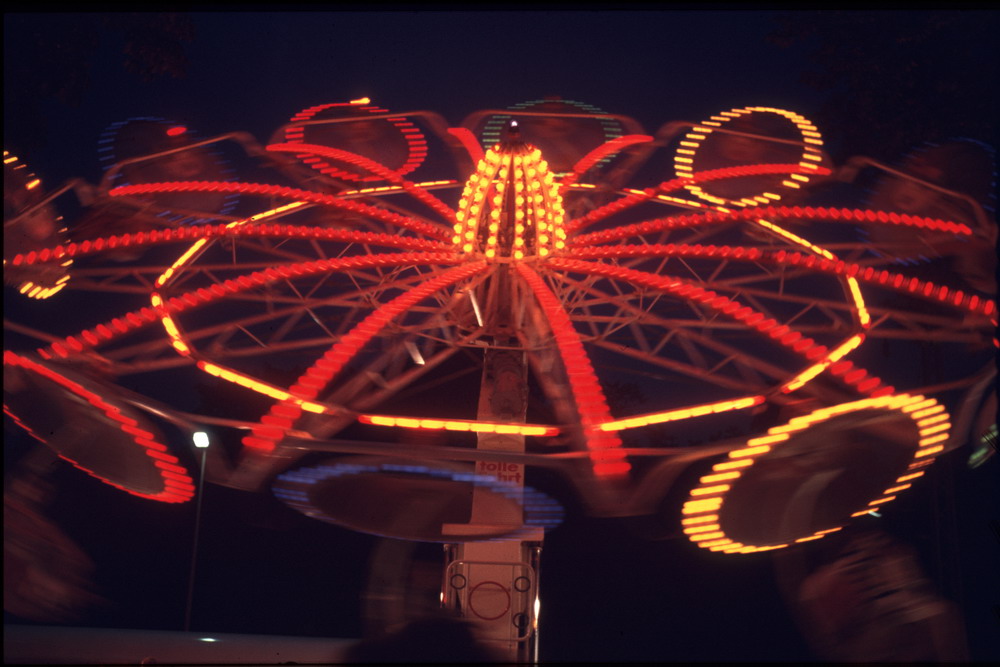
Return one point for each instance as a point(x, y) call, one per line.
point(511, 207)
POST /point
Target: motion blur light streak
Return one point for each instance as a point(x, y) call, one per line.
point(780, 435)
point(176, 485)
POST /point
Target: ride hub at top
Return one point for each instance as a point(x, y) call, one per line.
point(511, 207)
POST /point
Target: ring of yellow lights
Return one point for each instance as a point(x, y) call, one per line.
point(686, 154)
point(23, 191)
point(701, 513)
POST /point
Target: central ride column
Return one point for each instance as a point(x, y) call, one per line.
point(494, 583)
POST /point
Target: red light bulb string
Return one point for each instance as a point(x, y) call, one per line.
point(282, 415)
point(606, 456)
point(424, 228)
point(374, 167)
point(131, 321)
point(823, 213)
point(783, 334)
point(676, 184)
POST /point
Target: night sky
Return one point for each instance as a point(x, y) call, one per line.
point(607, 592)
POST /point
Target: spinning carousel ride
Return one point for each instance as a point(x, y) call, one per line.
point(403, 321)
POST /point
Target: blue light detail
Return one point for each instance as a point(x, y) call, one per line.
point(540, 510)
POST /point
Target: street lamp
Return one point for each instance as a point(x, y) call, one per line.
point(201, 441)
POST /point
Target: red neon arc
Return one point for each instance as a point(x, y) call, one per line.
point(676, 184)
point(191, 232)
point(415, 140)
point(371, 165)
point(593, 157)
point(896, 281)
point(282, 415)
point(783, 334)
point(606, 455)
point(469, 142)
point(178, 486)
point(888, 279)
point(823, 213)
point(102, 332)
point(412, 224)
point(131, 321)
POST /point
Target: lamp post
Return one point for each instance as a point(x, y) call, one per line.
point(201, 441)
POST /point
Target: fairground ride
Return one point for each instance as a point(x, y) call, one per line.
point(408, 320)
